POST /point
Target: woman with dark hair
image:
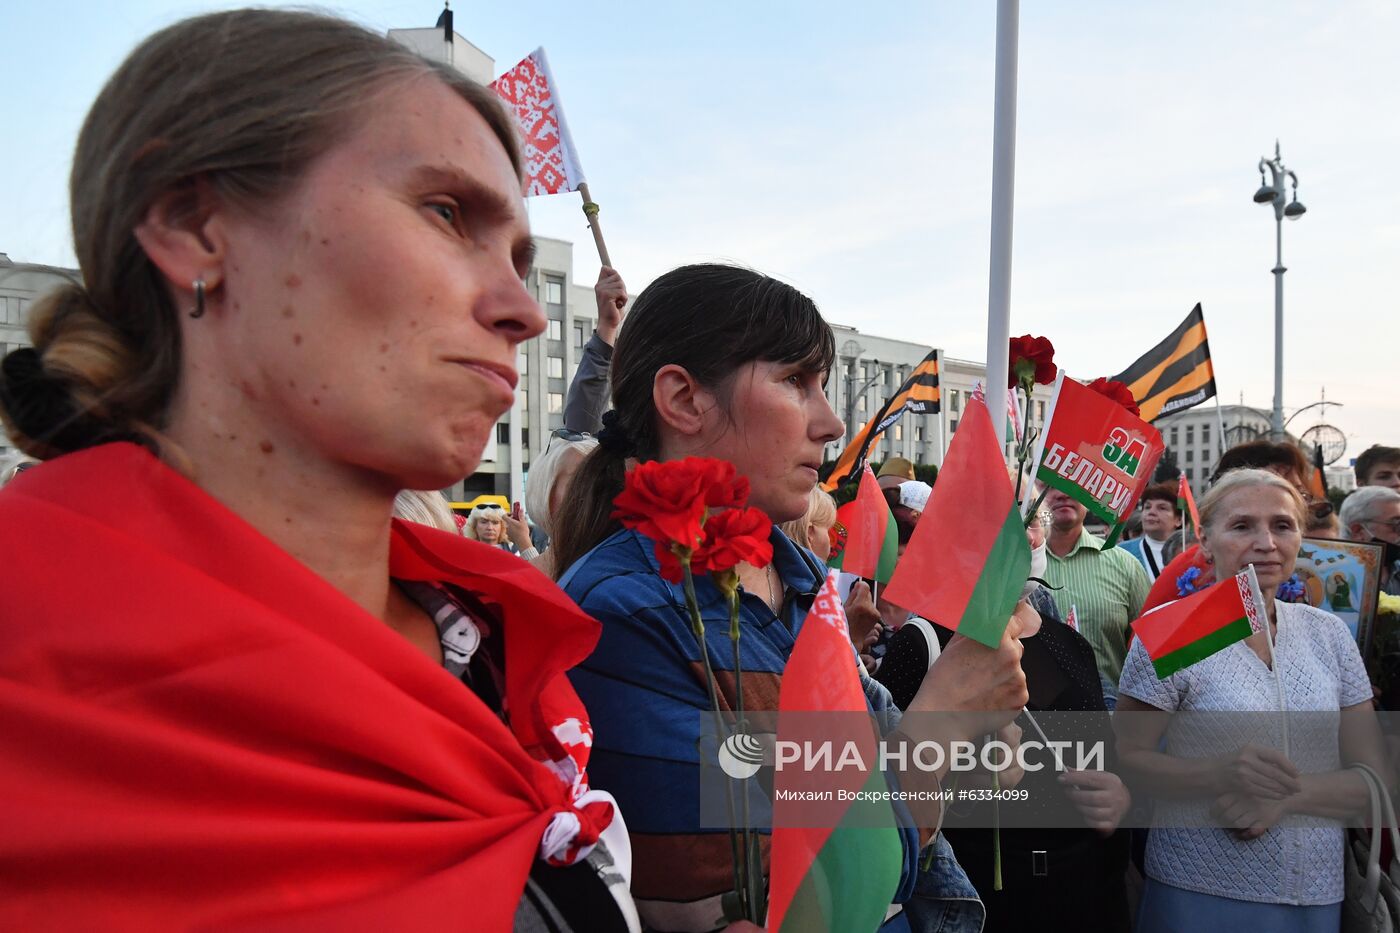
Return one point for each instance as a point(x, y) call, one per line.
point(234, 692)
point(723, 362)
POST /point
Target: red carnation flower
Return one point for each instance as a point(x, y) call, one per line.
point(732, 537)
point(727, 489)
point(666, 500)
point(1116, 391)
point(1032, 362)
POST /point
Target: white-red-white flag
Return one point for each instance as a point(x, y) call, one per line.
point(531, 95)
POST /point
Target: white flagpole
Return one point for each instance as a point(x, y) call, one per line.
point(1273, 656)
point(1220, 426)
point(1003, 201)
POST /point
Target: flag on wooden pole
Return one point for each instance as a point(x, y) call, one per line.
point(531, 96)
point(1186, 504)
point(919, 394)
point(968, 560)
point(1174, 375)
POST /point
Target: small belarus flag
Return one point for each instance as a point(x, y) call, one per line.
point(872, 543)
point(531, 96)
point(1192, 629)
point(968, 560)
point(838, 872)
point(1185, 502)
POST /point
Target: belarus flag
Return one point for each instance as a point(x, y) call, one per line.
point(968, 561)
point(872, 541)
point(835, 868)
point(531, 96)
point(1181, 633)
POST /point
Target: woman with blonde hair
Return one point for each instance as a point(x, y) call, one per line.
point(813, 529)
point(235, 692)
point(1279, 869)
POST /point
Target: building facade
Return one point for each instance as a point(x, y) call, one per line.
point(870, 369)
point(1194, 435)
point(546, 363)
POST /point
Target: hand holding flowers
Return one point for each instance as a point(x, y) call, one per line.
point(694, 511)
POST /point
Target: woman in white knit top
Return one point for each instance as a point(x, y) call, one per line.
point(1281, 870)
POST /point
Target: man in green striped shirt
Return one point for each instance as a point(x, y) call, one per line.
point(1106, 586)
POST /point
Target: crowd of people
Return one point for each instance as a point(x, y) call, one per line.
point(254, 672)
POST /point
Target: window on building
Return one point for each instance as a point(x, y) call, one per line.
point(1190, 435)
point(556, 402)
point(579, 337)
point(525, 364)
point(556, 367)
point(556, 330)
point(952, 425)
point(524, 399)
point(954, 401)
point(525, 438)
point(502, 433)
point(861, 406)
point(899, 432)
point(918, 432)
point(553, 290)
point(1205, 434)
point(1175, 439)
point(1190, 455)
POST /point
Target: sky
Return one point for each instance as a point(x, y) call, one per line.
point(849, 152)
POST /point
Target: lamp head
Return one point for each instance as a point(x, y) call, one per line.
point(1295, 210)
point(1266, 194)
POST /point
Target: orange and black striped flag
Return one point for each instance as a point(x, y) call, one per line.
point(1174, 375)
point(919, 394)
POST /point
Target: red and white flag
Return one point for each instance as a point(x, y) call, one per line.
point(531, 95)
point(1072, 620)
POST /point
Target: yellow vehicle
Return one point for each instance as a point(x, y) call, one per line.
point(483, 499)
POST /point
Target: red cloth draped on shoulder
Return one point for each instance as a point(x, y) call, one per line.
point(196, 731)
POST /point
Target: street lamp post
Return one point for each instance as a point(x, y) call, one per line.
point(1271, 191)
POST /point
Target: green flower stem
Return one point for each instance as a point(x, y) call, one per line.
point(753, 873)
point(1023, 446)
point(1035, 506)
point(697, 626)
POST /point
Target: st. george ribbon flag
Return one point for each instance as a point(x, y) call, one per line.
point(1174, 375)
point(919, 393)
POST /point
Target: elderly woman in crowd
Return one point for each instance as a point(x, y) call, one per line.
point(235, 693)
point(1261, 875)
